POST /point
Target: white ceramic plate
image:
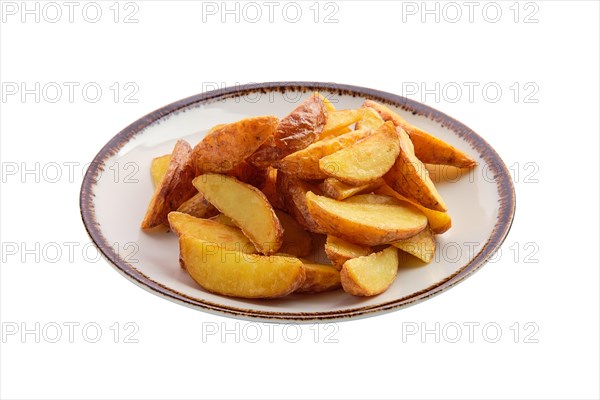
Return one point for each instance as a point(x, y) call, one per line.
point(481, 203)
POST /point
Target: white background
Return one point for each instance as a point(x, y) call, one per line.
point(171, 53)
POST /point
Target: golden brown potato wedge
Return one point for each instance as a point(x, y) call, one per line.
point(246, 206)
point(158, 168)
point(227, 237)
point(370, 120)
point(370, 275)
point(197, 206)
point(410, 178)
point(339, 251)
point(295, 131)
point(293, 196)
point(328, 105)
point(364, 161)
point(296, 241)
point(366, 219)
point(338, 120)
point(338, 190)
point(304, 164)
point(439, 221)
point(422, 245)
point(224, 148)
point(319, 278)
point(174, 188)
point(428, 148)
point(233, 273)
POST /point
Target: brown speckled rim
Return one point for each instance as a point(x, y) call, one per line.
point(484, 150)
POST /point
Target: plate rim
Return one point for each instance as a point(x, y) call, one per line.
point(504, 185)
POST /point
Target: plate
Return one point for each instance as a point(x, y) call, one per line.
point(117, 187)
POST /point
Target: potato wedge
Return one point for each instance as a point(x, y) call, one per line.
point(197, 206)
point(227, 237)
point(338, 120)
point(428, 148)
point(339, 251)
point(366, 219)
point(319, 278)
point(296, 241)
point(422, 245)
point(410, 178)
point(295, 131)
point(364, 161)
point(158, 168)
point(293, 196)
point(174, 188)
point(304, 164)
point(439, 221)
point(338, 190)
point(233, 273)
point(370, 120)
point(246, 206)
point(224, 148)
point(370, 275)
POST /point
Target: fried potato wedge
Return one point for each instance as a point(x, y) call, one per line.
point(428, 148)
point(158, 168)
point(422, 245)
point(295, 131)
point(439, 222)
point(370, 120)
point(233, 273)
point(296, 241)
point(319, 278)
point(246, 206)
point(197, 206)
point(339, 190)
point(227, 237)
point(410, 178)
point(339, 251)
point(364, 161)
point(370, 275)
point(224, 148)
point(366, 219)
point(304, 164)
point(174, 188)
point(293, 196)
point(338, 120)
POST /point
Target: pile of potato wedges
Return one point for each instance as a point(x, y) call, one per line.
point(250, 201)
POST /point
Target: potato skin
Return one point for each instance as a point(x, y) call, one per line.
point(175, 187)
point(296, 131)
point(227, 146)
point(319, 278)
point(197, 206)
